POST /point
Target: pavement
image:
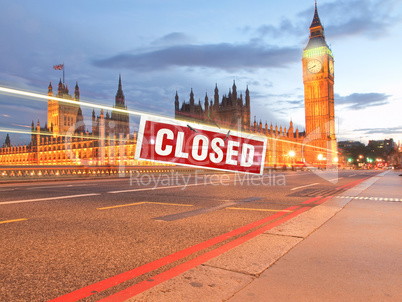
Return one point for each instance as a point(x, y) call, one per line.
point(348, 248)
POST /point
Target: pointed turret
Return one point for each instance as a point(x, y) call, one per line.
point(206, 103)
point(77, 92)
point(60, 89)
point(234, 92)
point(176, 102)
point(7, 142)
point(316, 19)
point(120, 100)
point(247, 98)
point(191, 99)
point(50, 89)
point(216, 97)
point(290, 132)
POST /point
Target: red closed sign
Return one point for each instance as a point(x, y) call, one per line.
point(182, 143)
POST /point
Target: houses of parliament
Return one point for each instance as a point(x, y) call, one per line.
point(66, 140)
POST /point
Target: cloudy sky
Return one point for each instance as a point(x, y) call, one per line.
point(160, 47)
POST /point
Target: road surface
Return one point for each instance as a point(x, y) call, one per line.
point(59, 237)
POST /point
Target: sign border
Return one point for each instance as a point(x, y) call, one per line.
point(140, 138)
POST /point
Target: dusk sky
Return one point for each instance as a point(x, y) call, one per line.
point(160, 47)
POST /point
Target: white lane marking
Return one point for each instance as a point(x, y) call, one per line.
point(7, 190)
point(48, 187)
point(48, 198)
point(304, 186)
point(155, 188)
point(64, 186)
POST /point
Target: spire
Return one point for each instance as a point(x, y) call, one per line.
point(176, 102)
point(119, 95)
point(77, 92)
point(216, 97)
point(234, 91)
point(191, 97)
point(7, 142)
point(60, 88)
point(247, 97)
point(316, 20)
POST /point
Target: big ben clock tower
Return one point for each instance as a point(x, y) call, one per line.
point(318, 79)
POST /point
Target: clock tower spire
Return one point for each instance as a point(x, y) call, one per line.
point(318, 79)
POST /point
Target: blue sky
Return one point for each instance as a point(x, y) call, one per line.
point(162, 46)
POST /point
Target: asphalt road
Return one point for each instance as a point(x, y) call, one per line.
point(61, 236)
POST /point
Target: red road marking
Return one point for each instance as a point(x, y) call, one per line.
point(147, 284)
point(353, 183)
point(115, 280)
point(323, 200)
point(311, 200)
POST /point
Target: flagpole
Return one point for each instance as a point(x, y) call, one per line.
point(63, 72)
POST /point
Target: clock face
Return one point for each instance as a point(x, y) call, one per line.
point(314, 66)
point(331, 67)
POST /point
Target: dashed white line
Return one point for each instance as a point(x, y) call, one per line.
point(371, 198)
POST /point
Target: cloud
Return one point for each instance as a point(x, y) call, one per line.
point(224, 56)
point(175, 38)
point(357, 101)
point(387, 131)
point(285, 28)
point(372, 18)
point(343, 18)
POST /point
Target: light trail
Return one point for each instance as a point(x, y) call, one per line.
point(46, 98)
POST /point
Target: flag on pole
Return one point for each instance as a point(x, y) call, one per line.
point(58, 67)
